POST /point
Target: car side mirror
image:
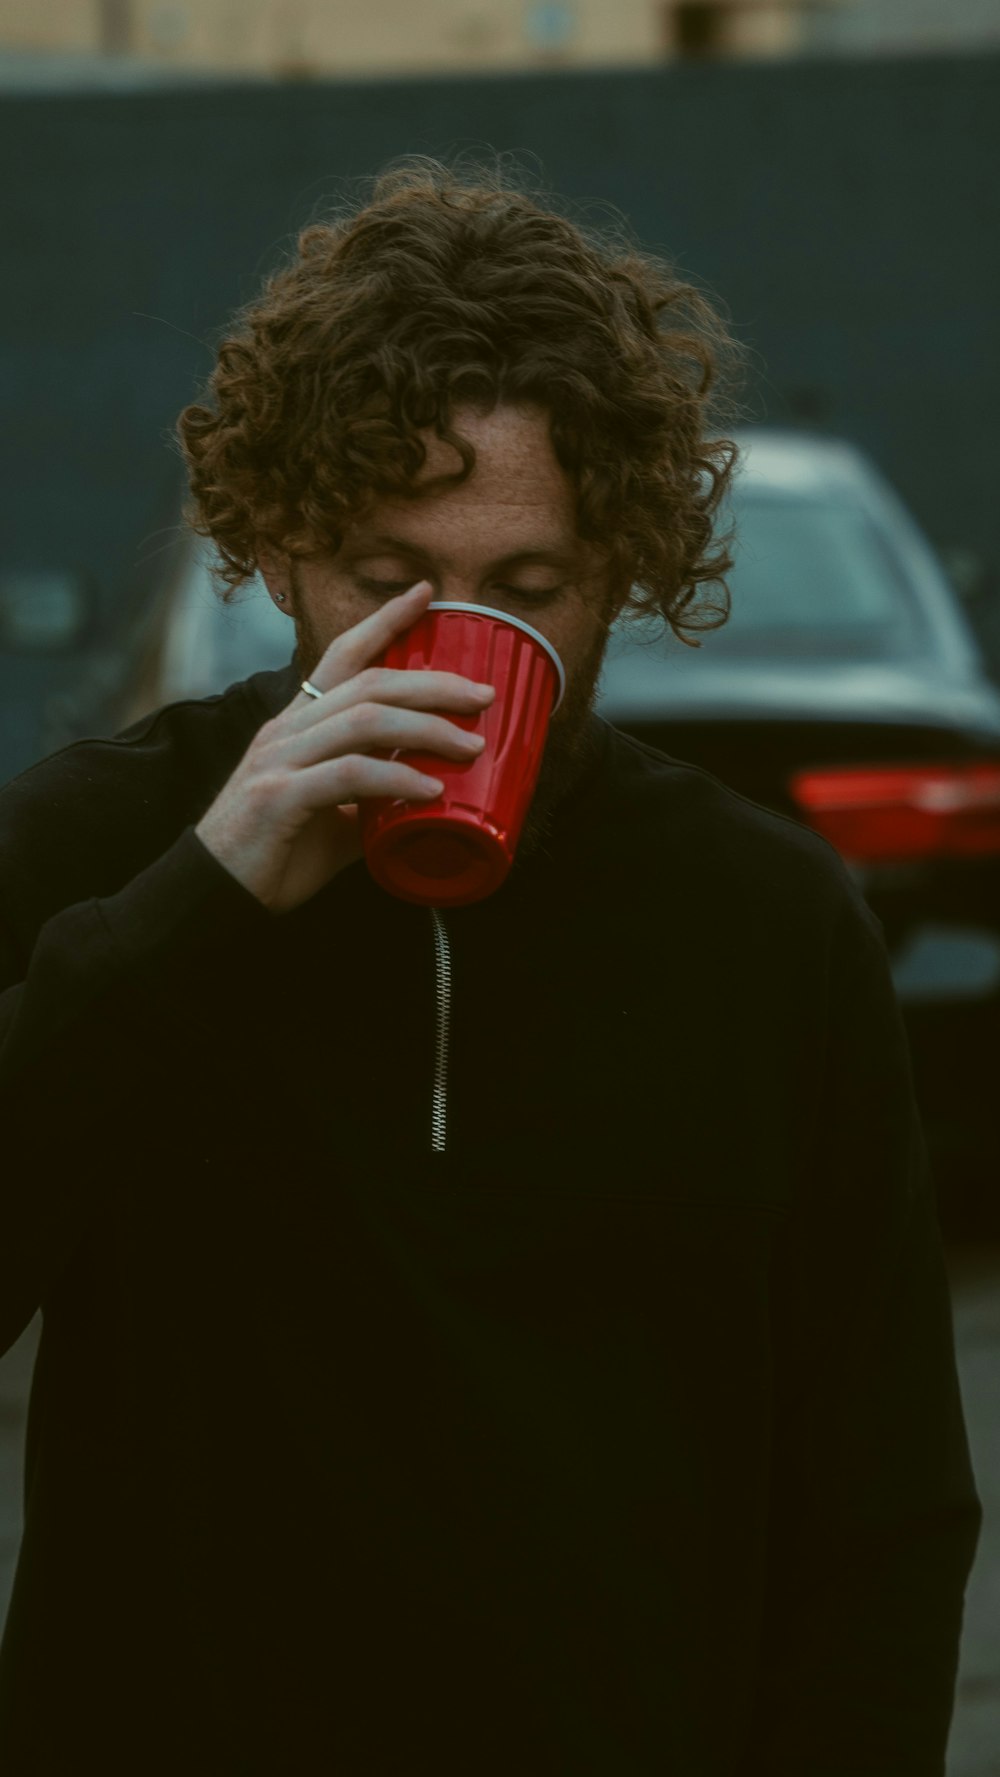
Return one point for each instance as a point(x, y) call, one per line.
point(44, 610)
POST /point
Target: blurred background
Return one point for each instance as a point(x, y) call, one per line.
point(829, 169)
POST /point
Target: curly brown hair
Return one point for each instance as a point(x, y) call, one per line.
point(452, 286)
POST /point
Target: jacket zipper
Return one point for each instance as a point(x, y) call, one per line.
point(442, 987)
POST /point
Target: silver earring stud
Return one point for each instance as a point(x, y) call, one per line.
point(279, 598)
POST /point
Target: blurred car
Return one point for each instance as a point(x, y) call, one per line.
point(846, 691)
point(50, 625)
point(189, 643)
point(68, 600)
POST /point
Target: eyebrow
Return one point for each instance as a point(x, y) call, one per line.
point(564, 558)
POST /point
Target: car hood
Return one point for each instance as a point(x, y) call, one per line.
point(657, 686)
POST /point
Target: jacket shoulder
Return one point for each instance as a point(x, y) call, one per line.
point(82, 822)
point(690, 823)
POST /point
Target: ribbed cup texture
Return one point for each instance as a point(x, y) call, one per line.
point(483, 804)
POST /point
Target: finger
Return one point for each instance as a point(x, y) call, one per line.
point(416, 689)
point(336, 783)
point(368, 727)
point(365, 641)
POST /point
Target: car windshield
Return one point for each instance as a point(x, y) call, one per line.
point(814, 576)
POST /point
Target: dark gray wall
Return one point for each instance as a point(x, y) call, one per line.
point(845, 211)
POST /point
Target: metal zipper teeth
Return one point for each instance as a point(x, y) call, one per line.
point(442, 986)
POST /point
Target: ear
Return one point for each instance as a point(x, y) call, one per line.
point(274, 570)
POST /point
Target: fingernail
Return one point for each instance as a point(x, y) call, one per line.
point(485, 693)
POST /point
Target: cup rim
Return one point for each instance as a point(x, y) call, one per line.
point(516, 623)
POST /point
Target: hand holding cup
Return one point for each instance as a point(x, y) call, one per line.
point(286, 821)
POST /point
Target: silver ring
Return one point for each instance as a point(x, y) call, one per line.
point(310, 689)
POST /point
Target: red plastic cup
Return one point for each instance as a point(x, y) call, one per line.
point(459, 848)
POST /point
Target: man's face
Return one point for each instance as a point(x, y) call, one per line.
point(506, 538)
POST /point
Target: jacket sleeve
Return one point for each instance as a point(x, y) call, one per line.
point(874, 1514)
point(74, 1014)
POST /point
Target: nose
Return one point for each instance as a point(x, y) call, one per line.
point(456, 592)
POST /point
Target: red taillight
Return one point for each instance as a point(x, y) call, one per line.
point(887, 812)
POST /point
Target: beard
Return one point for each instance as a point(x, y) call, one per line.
point(570, 745)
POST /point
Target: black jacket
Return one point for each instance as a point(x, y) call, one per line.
point(620, 1439)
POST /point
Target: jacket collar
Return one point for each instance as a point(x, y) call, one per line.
point(273, 691)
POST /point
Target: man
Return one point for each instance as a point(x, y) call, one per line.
point(623, 1435)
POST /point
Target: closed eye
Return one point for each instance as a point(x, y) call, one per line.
point(532, 595)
